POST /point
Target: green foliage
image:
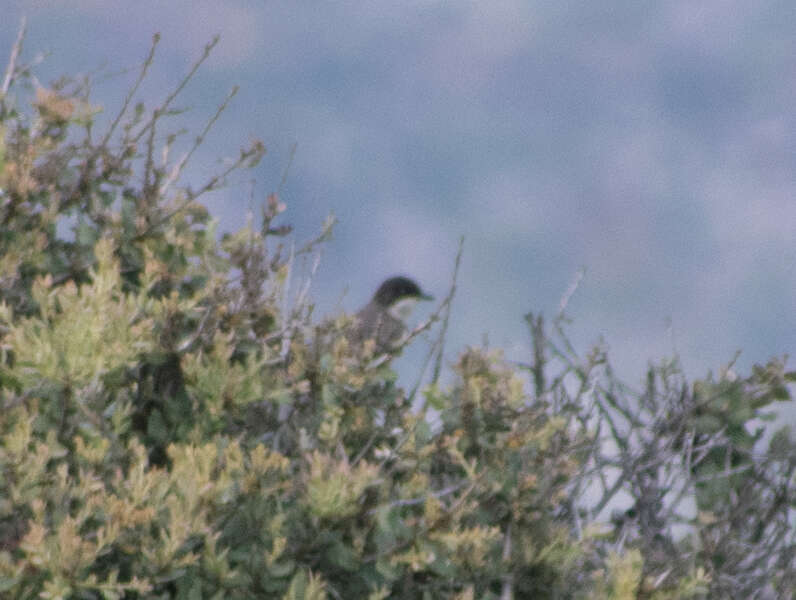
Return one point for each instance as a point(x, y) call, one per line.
point(80, 334)
point(173, 425)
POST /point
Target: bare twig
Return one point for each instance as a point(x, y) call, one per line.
point(538, 340)
point(129, 98)
point(429, 526)
point(436, 347)
point(573, 286)
point(158, 112)
point(287, 169)
point(325, 234)
point(211, 184)
point(507, 593)
point(444, 329)
point(12, 61)
point(178, 168)
point(422, 499)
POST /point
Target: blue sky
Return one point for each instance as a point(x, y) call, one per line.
point(653, 144)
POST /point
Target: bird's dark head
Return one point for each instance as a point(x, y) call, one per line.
point(396, 289)
point(383, 318)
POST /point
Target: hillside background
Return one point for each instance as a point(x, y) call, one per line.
point(653, 147)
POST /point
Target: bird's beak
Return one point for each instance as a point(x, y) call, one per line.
point(425, 297)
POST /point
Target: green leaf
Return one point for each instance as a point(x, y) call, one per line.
point(781, 443)
point(85, 234)
point(435, 398)
point(281, 568)
point(156, 427)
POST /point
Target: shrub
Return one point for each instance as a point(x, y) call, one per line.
point(173, 424)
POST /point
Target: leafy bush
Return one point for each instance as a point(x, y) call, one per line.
point(174, 425)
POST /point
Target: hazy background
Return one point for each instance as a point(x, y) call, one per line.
point(653, 144)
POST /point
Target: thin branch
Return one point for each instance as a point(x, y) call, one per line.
point(448, 301)
point(429, 526)
point(177, 170)
point(163, 108)
point(422, 499)
point(507, 593)
point(287, 169)
point(129, 98)
point(438, 344)
point(12, 61)
point(325, 234)
point(573, 286)
point(211, 184)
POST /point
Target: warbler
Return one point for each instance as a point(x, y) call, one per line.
point(383, 319)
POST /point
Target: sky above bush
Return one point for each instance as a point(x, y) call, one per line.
point(653, 145)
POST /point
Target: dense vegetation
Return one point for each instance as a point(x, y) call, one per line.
point(173, 424)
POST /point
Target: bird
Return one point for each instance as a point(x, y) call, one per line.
point(383, 318)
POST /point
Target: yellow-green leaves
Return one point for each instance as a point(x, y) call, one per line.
point(81, 333)
point(622, 580)
point(220, 383)
point(334, 487)
point(306, 586)
point(469, 546)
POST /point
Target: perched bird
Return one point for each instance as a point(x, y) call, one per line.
point(382, 319)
